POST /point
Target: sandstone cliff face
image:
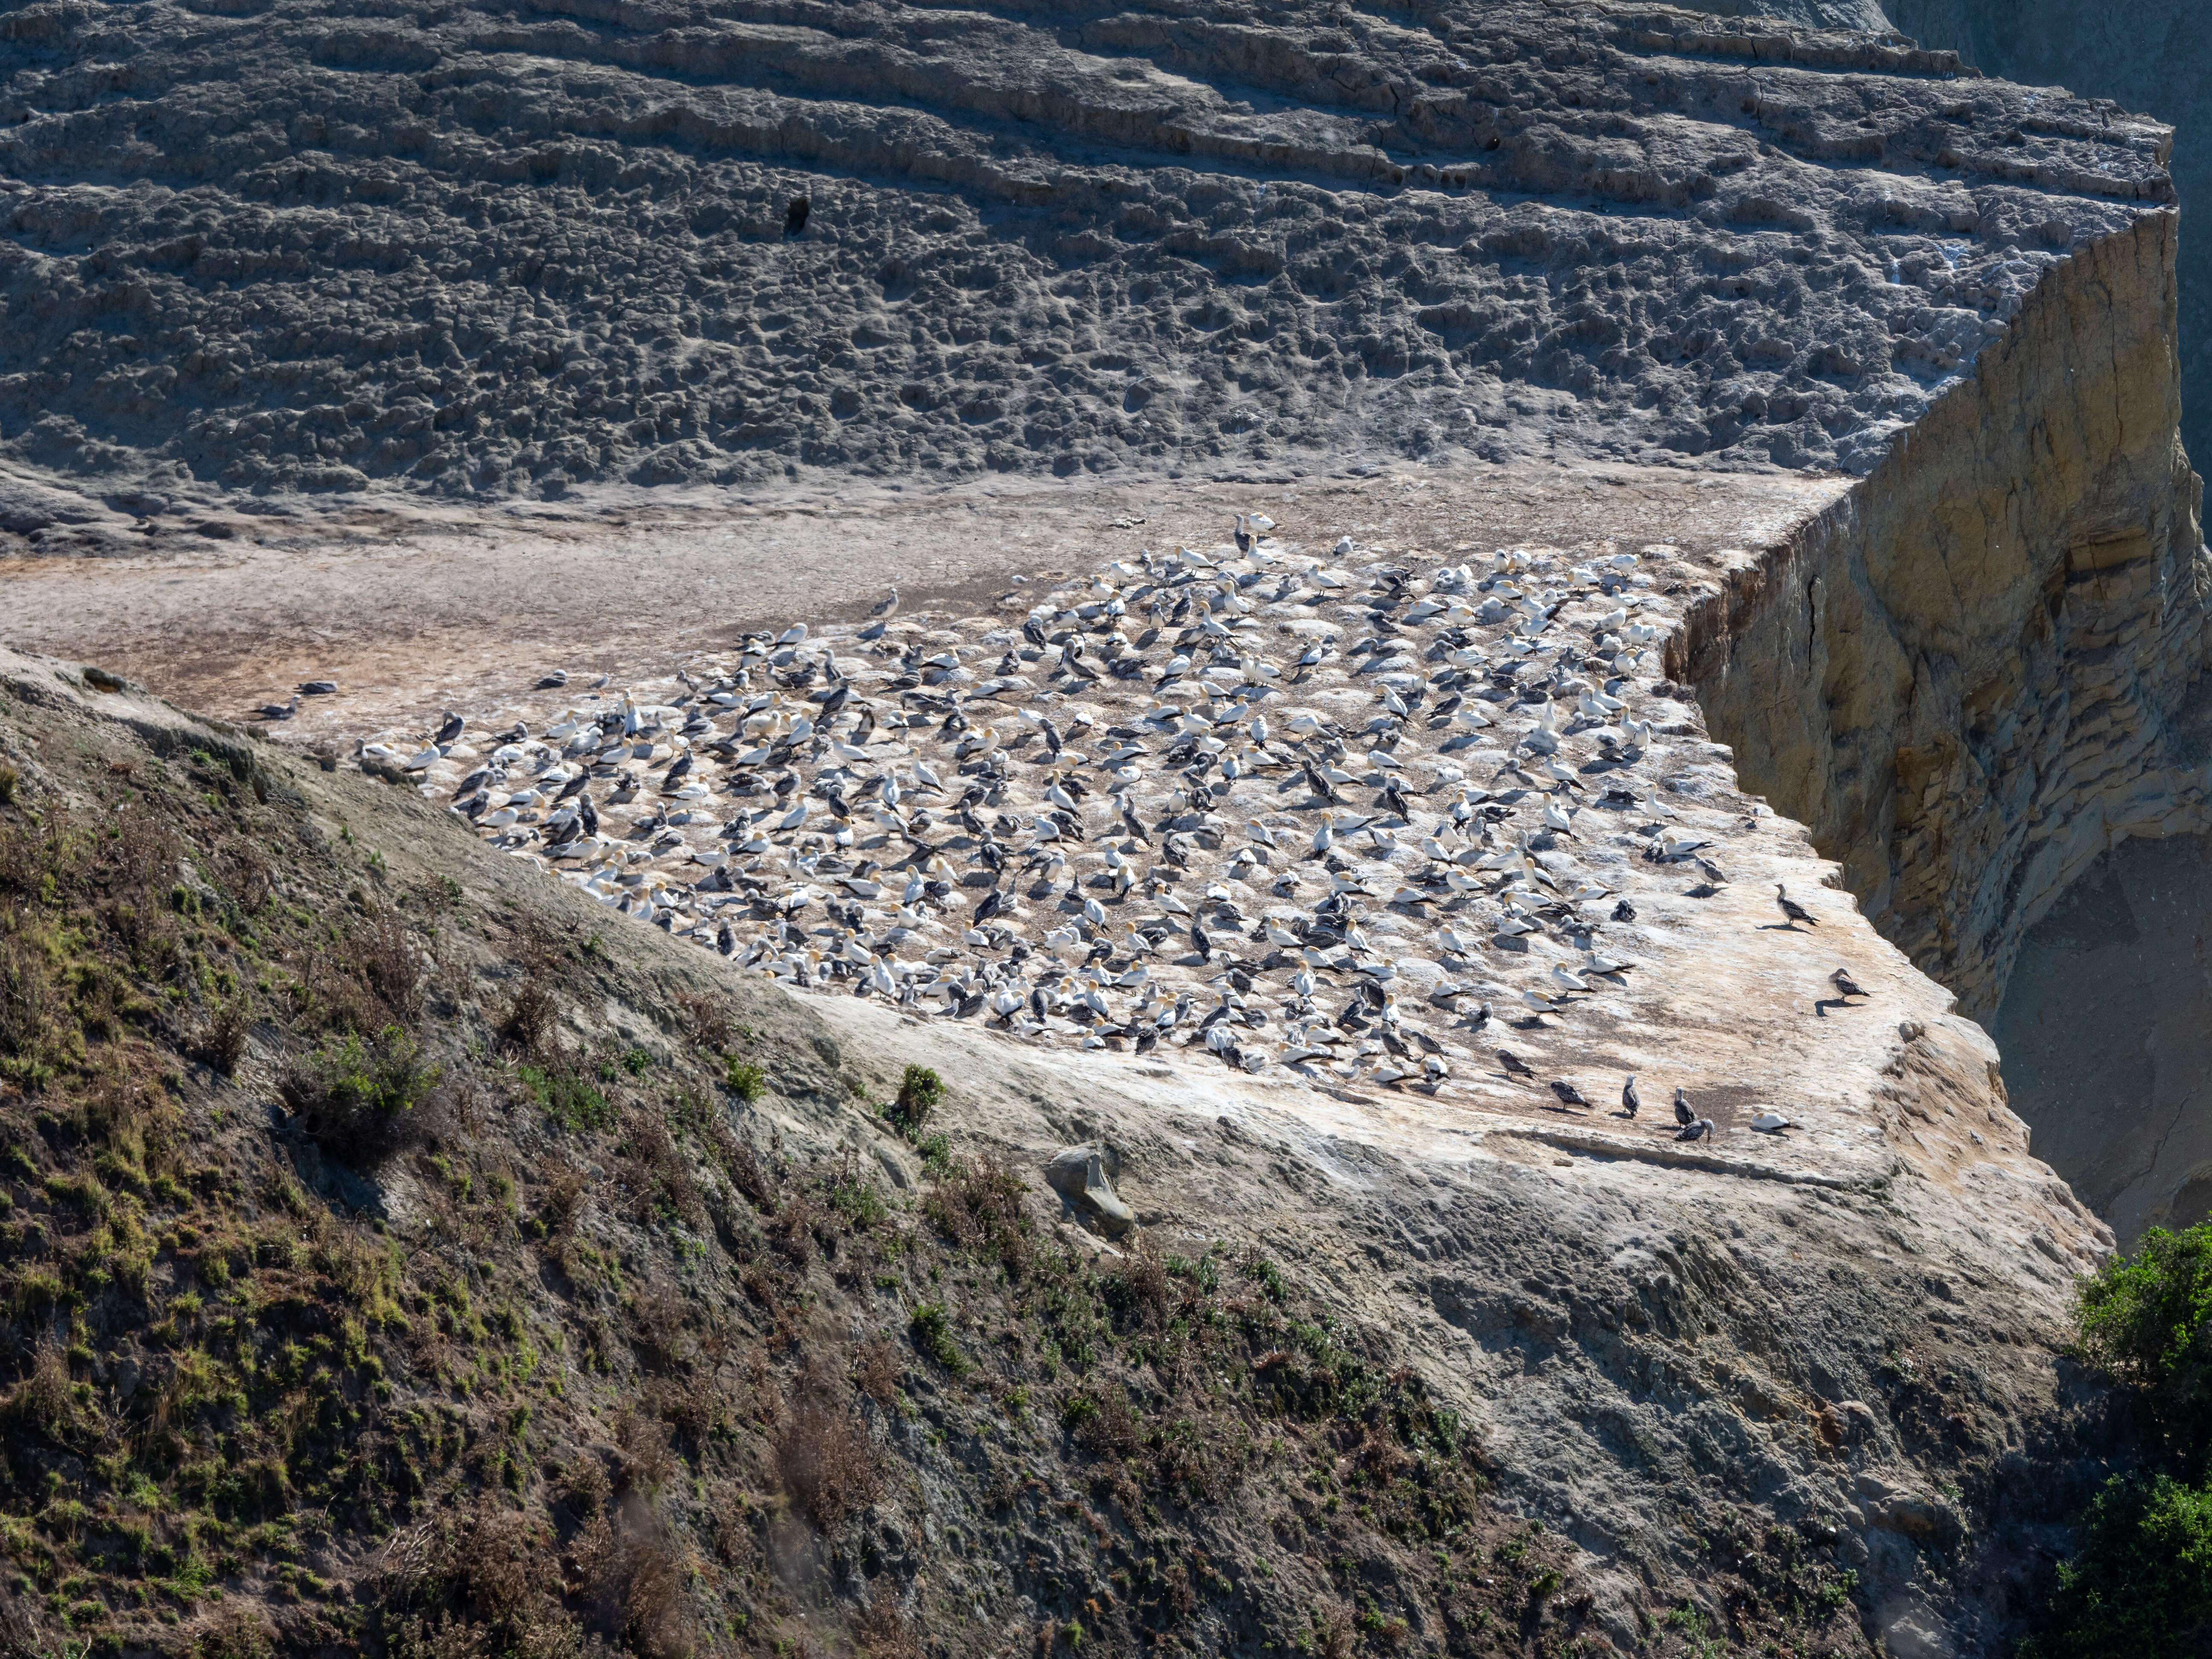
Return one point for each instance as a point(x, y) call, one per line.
point(1983, 666)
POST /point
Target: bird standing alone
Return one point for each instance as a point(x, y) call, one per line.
point(1791, 910)
point(1630, 1102)
point(1846, 984)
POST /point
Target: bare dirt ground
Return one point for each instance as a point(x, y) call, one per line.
point(412, 609)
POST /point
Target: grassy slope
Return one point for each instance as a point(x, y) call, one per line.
point(388, 1262)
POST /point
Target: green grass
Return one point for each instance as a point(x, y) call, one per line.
point(745, 1080)
point(920, 1092)
point(933, 1334)
point(568, 1100)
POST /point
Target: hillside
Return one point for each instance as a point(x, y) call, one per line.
point(397, 1256)
point(405, 1253)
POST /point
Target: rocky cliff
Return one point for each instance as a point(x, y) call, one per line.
point(425, 1258)
point(486, 249)
point(2151, 57)
point(1984, 665)
point(1984, 670)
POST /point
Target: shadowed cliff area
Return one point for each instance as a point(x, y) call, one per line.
point(2106, 1031)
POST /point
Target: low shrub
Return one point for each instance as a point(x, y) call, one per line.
point(2139, 1585)
point(359, 1098)
point(222, 1043)
point(933, 1335)
point(746, 1080)
point(826, 1463)
point(920, 1091)
point(2148, 1319)
point(570, 1099)
point(529, 1020)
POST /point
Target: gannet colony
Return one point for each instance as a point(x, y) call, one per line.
point(1371, 818)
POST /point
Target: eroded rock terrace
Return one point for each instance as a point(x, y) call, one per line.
point(490, 248)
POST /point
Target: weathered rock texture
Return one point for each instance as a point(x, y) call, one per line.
point(495, 248)
point(1865, 15)
point(2153, 55)
point(1984, 665)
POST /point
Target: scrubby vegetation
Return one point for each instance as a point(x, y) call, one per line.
point(2139, 1586)
point(499, 1337)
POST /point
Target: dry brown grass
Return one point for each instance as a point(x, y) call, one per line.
point(27, 1003)
point(561, 1210)
point(528, 1022)
point(221, 1043)
point(981, 1207)
point(234, 1631)
point(747, 1172)
point(502, 1563)
point(824, 1454)
point(665, 1174)
point(883, 1632)
point(1111, 1430)
point(43, 1400)
point(1139, 1286)
point(1335, 1632)
point(244, 873)
point(792, 1229)
point(647, 1462)
point(633, 1570)
point(877, 1372)
point(708, 1018)
point(656, 1326)
point(378, 950)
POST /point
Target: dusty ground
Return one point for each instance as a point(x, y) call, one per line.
point(413, 608)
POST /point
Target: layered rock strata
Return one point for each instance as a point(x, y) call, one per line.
point(492, 248)
point(2152, 56)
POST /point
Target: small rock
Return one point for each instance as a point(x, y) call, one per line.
point(1083, 1176)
